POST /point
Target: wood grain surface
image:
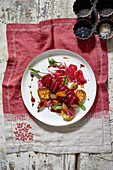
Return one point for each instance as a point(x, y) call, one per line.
point(33, 11)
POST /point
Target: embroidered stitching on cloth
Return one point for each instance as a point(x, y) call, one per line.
point(22, 132)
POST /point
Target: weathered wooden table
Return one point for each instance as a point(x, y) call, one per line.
point(33, 11)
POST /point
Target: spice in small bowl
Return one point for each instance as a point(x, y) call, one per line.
point(83, 29)
point(82, 8)
point(104, 7)
point(105, 29)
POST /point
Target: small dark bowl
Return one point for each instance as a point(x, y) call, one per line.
point(105, 29)
point(104, 7)
point(83, 29)
point(82, 8)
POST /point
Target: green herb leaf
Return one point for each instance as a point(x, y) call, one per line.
point(52, 62)
point(35, 71)
point(65, 80)
point(57, 106)
point(81, 106)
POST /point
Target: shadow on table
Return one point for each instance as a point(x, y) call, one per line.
point(62, 129)
point(89, 44)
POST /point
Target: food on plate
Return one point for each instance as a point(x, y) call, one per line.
point(42, 103)
point(74, 86)
point(61, 93)
point(64, 107)
point(54, 91)
point(81, 94)
point(53, 96)
point(44, 93)
point(65, 115)
point(81, 106)
point(74, 106)
point(56, 87)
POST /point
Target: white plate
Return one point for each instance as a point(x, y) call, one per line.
point(41, 63)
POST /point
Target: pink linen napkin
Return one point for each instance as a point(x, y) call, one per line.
point(26, 41)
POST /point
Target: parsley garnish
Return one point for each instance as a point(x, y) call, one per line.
point(52, 62)
point(35, 71)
